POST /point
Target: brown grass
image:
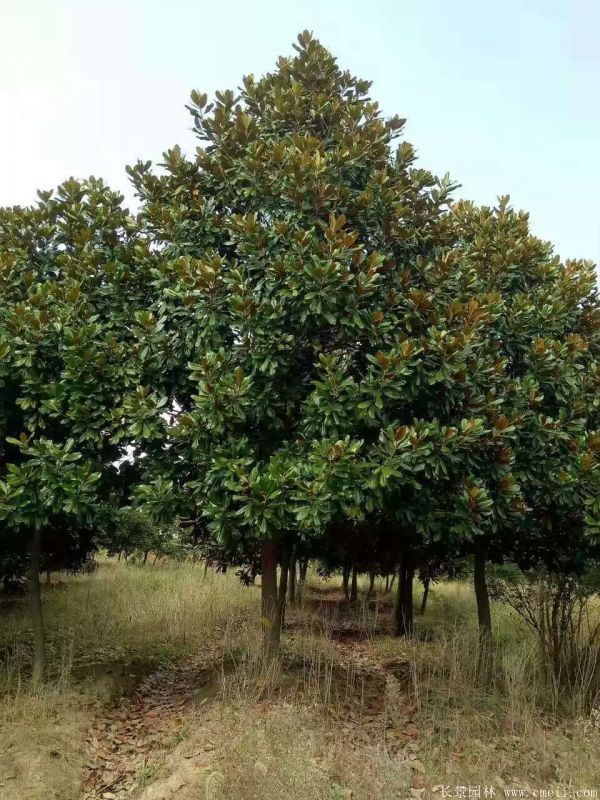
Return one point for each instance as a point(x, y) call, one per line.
point(348, 710)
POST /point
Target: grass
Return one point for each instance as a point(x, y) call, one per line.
point(104, 631)
point(349, 712)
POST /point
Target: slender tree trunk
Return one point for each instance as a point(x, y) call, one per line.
point(303, 569)
point(484, 616)
point(354, 585)
point(155, 559)
point(393, 580)
point(425, 595)
point(205, 567)
point(371, 584)
point(292, 580)
point(399, 620)
point(39, 638)
point(145, 558)
point(404, 597)
point(302, 578)
point(48, 579)
point(409, 575)
point(270, 618)
point(345, 579)
point(283, 586)
point(387, 583)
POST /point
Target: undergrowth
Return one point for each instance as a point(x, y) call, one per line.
point(348, 711)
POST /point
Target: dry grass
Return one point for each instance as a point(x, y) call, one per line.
point(104, 630)
point(503, 735)
point(330, 719)
point(119, 613)
point(291, 751)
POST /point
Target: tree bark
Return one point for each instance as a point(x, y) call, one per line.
point(425, 595)
point(346, 579)
point(145, 558)
point(292, 580)
point(273, 596)
point(484, 616)
point(303, 569)
point(371, 584)
point(302, 578)
point(387, 583)
point(37, 619)
point(409, 575)
point(283, 587)
point(404, 597)
point(354, 585)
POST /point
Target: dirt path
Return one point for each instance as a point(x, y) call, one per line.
point(139, 746)
point(126, 742)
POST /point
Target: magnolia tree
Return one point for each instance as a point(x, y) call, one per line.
point(315, 363)
point(67, 294)
point(547, 338)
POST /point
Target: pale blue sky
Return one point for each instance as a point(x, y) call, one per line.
point(503, 95)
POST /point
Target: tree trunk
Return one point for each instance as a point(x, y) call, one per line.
point(387, 583)
point(48, 579)
point(393, 580)
point(37, 620)
point(145, 558)
point(346, 579)
point(269, 597)
point(409, 575)
point(283, 585)
point(484, 616)
point(371, 584)
point(205, 567)
point(404, 597)
point(292, 580)
point(354, 586)
point(303, 569)
point(425, 595)
point(302, 578)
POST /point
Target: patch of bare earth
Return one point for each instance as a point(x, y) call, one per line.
point(177, 734)
point(128, 743)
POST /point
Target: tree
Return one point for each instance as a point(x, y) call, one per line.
point(547, 338)
point(286, 266)
point(47, 486)
point(329, 345)
point(67, 296)
point(320, 357)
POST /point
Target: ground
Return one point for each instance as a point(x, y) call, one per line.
point(158, 690)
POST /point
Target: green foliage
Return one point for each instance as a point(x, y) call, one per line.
point(328, 339)
point(305, 324)
point(67, 295)
point(135, 533)
point(299, 336)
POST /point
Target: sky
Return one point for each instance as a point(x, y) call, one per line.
point(505, 96)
